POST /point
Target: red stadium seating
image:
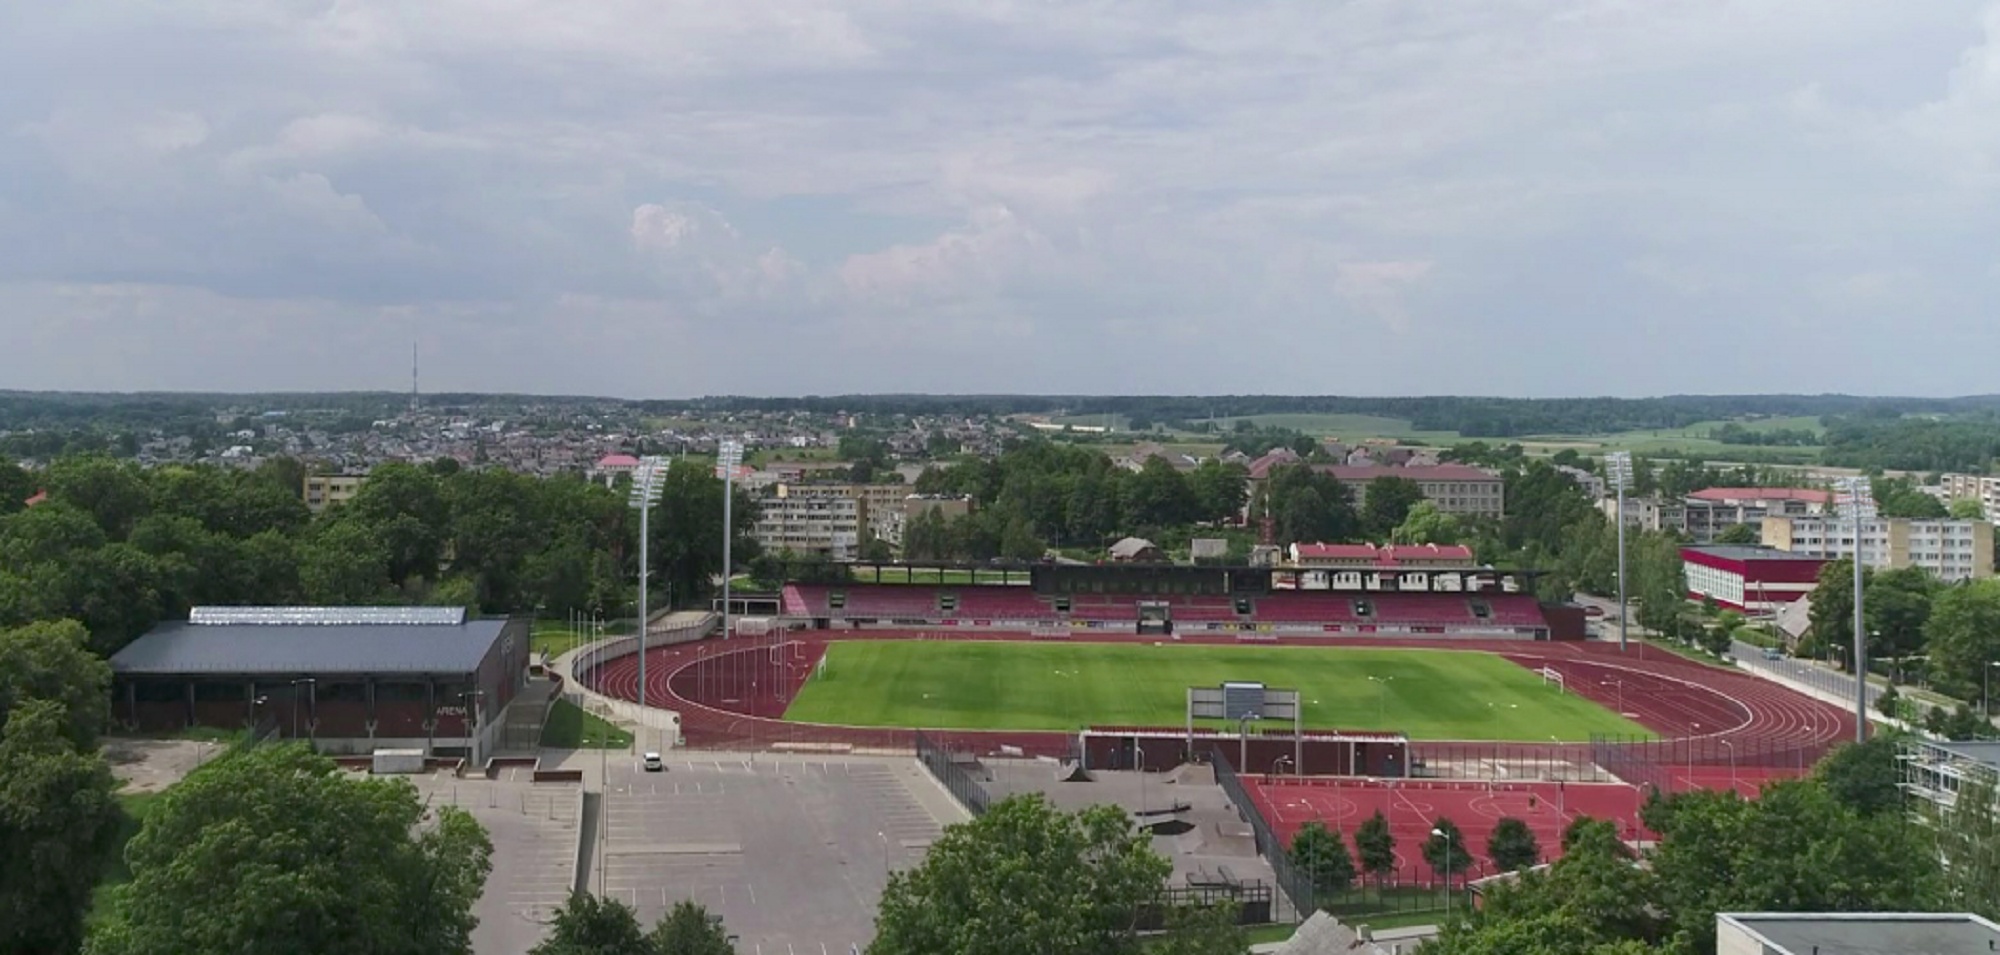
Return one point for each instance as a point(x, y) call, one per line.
point(890, 602)
point(1002, 603)
point(1306, 608)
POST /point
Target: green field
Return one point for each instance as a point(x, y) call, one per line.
point(1428, 694)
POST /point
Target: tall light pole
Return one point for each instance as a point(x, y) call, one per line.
point(1858, 503)
point(1243, 739)
point(648, 480)
point(1618, 467)
point(1437, 831)
point(728, 456)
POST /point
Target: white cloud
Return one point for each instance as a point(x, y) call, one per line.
point(998, 185)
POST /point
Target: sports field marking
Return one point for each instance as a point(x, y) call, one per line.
point(1428, 694)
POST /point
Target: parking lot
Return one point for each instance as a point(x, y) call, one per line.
point(534, 831)
point(791, 851)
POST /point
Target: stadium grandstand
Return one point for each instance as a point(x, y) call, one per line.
point(1168, 599)
point(352, 679)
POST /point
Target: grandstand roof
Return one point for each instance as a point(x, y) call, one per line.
point(186, 647)
point(617, 461)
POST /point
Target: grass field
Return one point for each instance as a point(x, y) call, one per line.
point(569, 727)
point(1428, 694)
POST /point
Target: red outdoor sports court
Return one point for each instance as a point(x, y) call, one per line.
point(1413, 806)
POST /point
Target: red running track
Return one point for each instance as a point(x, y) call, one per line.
point(1412, 807)
point(1714, 721)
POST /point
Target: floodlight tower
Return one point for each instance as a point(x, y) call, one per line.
point(728, 456)
point(1618, 467)
point(648, 480)
point(1858, 504)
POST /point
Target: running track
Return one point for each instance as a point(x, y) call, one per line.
point(1718, 725)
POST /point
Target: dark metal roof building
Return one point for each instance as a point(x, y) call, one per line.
point(313, 640)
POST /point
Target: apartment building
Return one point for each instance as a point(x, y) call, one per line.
point(1647, 514)
point(1974, 487)
point(322, 491)
point(812, 519)
point(1710, 511)
point(1950, 550)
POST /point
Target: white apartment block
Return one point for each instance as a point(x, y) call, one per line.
point(1976, 487)
point(1950, 550)
point(829, 526)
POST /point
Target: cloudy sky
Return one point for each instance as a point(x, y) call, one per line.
point(676, 198)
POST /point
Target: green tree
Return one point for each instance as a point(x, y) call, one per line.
point(1832, 610)
point(1595, 899)
point(689, 929)
point(686, 525)
point(1865, 777)
point(345, 562)
point(1445, 851)
point(1897, 605)
point(404, 506)
point(274, 849)
point(111, 492)
point(57, 816)
point(1966, 509)
point(1376, 846)
point(1963, 635)
point(1968, 842)
point(1084, 876)
point(1386, 503)
point(1306, 505)
point(588, 925)
point(15, 487)
point(1900, 497)
point(1202, 930)
point(1219, 489)
point(1321, 855)
point(1512, 845)
point(1425, 524)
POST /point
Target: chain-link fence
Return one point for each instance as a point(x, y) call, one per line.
point(1506, 762)
point(1704, 761)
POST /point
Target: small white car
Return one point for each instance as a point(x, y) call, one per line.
point(653, 763)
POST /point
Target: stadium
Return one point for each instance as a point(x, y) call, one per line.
point(1440, 674)
point(1306, 695)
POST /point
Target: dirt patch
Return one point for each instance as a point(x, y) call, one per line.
point(152, 765)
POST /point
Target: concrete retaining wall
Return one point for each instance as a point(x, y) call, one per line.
point(580, 662)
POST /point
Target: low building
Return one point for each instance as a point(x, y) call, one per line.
point(611, 467)
point(1137, 550)
point(1935, 771)
point(1591, 483)
point(1753, 580)
point(352, 679)
point(1950, 550)
point(913, 505)
point(1370, 557)
point(322, 491)
point(1854, 933)
point(1711, 511)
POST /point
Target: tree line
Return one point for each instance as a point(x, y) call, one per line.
point(118, 547)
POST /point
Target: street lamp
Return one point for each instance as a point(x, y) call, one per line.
point(728, 456)
point(1858, 504)
point(1139, 762)
point(648, 481)
point(1446, 836)
point(1243, 739)
point(885, 854)
point(1280, 761)
point(1618, 467)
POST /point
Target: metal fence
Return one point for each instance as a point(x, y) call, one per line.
point(955, 778)
point(1676, 764)
point(1510, 762)
point(1252, 900)
point(1367, 897)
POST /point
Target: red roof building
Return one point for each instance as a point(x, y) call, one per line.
point(1754, 580)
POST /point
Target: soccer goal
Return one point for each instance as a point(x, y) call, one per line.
point(1550, 675)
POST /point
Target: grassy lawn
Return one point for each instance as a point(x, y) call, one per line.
point(569, 727)
point(1428, 694)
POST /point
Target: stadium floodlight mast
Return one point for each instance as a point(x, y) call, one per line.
point(1618, 467)
point(1858, 504)
point(728, 457)
point(648, 480)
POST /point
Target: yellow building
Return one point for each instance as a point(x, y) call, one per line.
point(1950, 550)
point(325, 490)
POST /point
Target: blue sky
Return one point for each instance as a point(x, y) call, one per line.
point(668, 198)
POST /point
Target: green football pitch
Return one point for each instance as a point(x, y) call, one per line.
point(1427, 694)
